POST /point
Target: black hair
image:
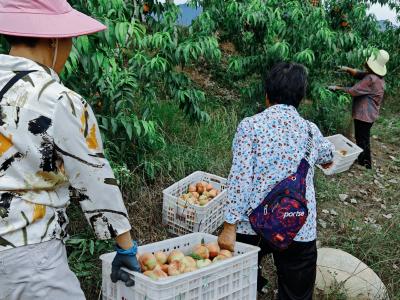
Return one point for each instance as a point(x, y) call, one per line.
point(21, 40)
point(286, 83)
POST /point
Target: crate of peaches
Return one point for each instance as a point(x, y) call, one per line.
point(195, 204)
point(188, 267)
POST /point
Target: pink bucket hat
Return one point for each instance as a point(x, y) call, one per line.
point(44, 19)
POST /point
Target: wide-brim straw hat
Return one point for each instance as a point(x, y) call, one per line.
point(45, 19)
point(377, 63)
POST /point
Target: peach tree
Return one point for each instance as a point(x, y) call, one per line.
point(339, 32)
point(128, 69)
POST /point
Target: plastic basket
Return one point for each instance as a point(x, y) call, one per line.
point(181, 217)
point(346, 152)
point(231, 279)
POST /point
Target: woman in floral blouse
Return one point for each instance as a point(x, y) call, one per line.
point(267, 148)
point(51, 153)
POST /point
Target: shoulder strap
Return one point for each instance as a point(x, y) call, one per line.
point(309, 145)
point(13, 81)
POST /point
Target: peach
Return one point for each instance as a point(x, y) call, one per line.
point(159, 272)
point(164, 268)
point(200, 188)
point(213, 249)
point(219, 258)
point(201, 251)
point(175, 255)
point(147, 261)
point(209, 187)
point(212, 193)
point(192, 188)
point(175, 268)
point(203, 200)
point(151, 275)
point(226, 253)
point(188, 262)
point(161, 257)
point(202, 263)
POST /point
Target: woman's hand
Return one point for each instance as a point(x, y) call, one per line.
point(227, 237)
point(343, 69)
point(333, 88)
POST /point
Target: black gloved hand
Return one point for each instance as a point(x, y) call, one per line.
point(126, 259)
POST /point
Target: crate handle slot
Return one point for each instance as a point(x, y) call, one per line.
point(350, 145)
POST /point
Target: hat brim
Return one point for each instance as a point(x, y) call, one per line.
point(67, 25)
point(377, 68)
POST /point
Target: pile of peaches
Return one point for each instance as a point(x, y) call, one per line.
point(200, 193)
point(162, 265)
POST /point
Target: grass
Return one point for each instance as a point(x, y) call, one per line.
point(207, 147)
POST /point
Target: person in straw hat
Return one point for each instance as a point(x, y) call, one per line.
point(367, 99)
point(51, 153)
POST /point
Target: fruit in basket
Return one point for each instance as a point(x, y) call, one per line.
point(202, 263)
point(164, 268)
point(200, 251)
point(219, 258)
point(200, 193)
point(175, 255)
point(195, 195)
point(185, 196)
point(192, 188)
point(159, 272)
point(200, 188)
point(150, 274)
point(226, 253)
point(212, 193)
point(213, 249)
point(161, 257)
point(175, 268)
point(192, 200)
point(203, 200)
point(189, 262)
point(156, 274)
point(147, 261)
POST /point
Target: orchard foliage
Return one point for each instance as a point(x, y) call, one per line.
point(321, 38)
point(125, 71)
point(140, 61)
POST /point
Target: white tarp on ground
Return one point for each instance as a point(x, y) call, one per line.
point(339, 269)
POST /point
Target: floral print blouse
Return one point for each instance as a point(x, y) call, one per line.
point(51, 153)
point(267, 148)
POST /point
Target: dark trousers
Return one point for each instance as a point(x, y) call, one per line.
point(296, 267)
point(362, 132)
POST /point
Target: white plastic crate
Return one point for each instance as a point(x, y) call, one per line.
point(231, 279)
point(181, 217)
point(346, 153)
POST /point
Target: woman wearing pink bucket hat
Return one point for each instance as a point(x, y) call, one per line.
point(51, 153)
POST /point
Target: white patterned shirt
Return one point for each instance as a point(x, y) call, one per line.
point(267, 148)
point(51, 153)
